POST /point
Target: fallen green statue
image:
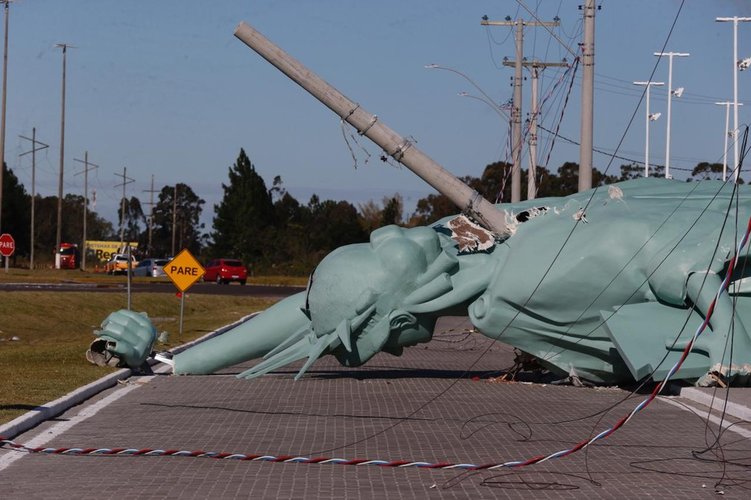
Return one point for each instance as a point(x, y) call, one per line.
point(607, 284)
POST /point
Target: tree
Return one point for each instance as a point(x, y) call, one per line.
point(186, 208)
point(636, 171)
point(392, 210)
point(373, 215)
point(245, 215)
point(131, 219)
point(705, 171)
point(370, 215)
point(15, 210)
point(333, 224)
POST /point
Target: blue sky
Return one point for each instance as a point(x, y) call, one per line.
point(165, 89)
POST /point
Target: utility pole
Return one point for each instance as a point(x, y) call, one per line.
point(587, 99)
point(151, 212)
point(671, 92)
point(33, 151)
point(85, 173)
point(174, 219)
point(399, 148)
point(516, 111)
point(535, 68)
point(736, 66)
point(649, 118)
point(727, 134)
point(58, 235)
point(126, 180)
point(2, 113)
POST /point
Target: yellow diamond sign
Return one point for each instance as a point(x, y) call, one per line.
point(184, 270)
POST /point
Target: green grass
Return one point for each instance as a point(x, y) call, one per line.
point(55, 329)
point(18, 275)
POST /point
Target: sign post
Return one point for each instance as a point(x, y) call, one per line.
point(7, 247)
point(184, 270)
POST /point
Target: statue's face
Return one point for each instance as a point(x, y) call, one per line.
point(361, 288)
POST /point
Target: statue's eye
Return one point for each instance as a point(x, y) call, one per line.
point(307, 290)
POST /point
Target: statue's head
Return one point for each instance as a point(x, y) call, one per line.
point(364, 292)
point(370, 297)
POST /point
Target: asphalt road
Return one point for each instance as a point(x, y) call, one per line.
point(157, 287)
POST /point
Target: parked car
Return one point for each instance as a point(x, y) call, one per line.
point(118, 264)
point(150, 267)
point(225, 270)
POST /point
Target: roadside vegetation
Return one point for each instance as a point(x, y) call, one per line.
point(44, 335)
point(23, 275)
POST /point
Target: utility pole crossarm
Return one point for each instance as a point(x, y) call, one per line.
point(34, 149)
point(523, 22)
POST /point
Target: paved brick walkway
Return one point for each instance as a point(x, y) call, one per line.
point(425, 406)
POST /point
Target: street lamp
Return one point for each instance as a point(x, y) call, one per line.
point(472, 82)
point(737, 65)
point(671, 92)
point(727, 134)
point(649, 118)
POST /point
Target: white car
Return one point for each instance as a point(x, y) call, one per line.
point(150, 267)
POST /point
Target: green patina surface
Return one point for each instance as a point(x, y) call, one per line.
point(609, 284)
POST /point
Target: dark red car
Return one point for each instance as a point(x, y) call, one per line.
point(225, 270)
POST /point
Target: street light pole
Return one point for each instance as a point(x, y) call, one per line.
point(648, 118)
point(727, 134)
point(735, 20)
point(2, 114)
point(670, 56)
point(58, 234)
point(488, 99)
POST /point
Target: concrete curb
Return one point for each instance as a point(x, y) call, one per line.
point(716, 403)
point(52, 409)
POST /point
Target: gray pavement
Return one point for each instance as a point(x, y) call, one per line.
point(437, 403)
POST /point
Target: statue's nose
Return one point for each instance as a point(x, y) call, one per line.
point(480, 307)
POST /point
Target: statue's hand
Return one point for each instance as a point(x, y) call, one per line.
point(126, 339)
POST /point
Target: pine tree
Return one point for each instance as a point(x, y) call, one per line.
point(245, 217)
point(15, 210)
point(188, 229)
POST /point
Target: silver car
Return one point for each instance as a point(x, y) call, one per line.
point(150, 267)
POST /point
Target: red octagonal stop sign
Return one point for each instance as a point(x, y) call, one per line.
point(7, 245)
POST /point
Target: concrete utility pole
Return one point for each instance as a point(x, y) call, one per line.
point(727, 134)
point(535, 68)
point(402, 150)
point(516, 111)
point(649, 118)
point(587, 99)
point(671, 92)
point(2, 112)
point(151, 212)
point(33, 151)
point(736, 67)
point(85, 173)
point(58, 234)
point(126, 180)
